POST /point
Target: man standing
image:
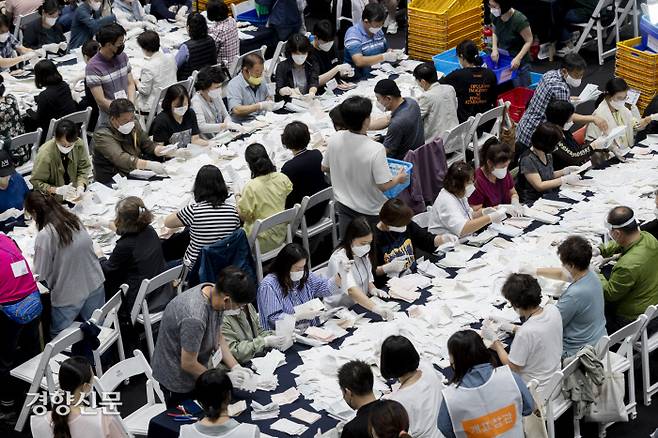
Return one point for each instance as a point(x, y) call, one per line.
point(438, 103)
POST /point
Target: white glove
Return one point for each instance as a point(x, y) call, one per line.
point(182, 153)
point(67, 191)
point(527, 268)
point(63, 45)
point(386, 314)
point(79, 191)
point(488, 333)
point(497, 216)
point(232, 126)
point(375, 292)
point(393, 268)
point(596, 251)
point(30, 55)
point(169, 149)
point(266, 105)
point(278, 342)
point(390, 56)
point(345, 69)
point(156, 167)
point(181, 12)
point(285, 91)
point(596, 262)
point(570, 169)
point(151, 19)
point(239, 376)
point(517, 208)
point(568, 179)
point(51, 48)
point(504, 324)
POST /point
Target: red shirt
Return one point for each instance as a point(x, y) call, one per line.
point(490, 194)
point(14, 288)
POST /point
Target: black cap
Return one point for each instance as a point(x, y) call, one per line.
point(6, 165)
point(387, 87)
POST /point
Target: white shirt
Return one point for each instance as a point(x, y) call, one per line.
point(438, 109)
point(361, 271)
point(230, 429)
point(422, 401)
point(81, 426)
point(537, 346)
point(158, 73)
point(449, 214)
point(357, 164)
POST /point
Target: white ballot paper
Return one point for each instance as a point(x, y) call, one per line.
point(590, 92)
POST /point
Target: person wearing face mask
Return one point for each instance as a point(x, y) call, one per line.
point(87, 20)
point(158, 71)
point(224, 30)
point(536, 352)
point(493, 183)
point(405, 129)
point(633, 283)
point(62, 165)
point(554, 85)
point(451, 213)
point(211, 114)
point(438, 102)
point(197, 52)
point(537, 176)
point(356, 382)
point(355, 257)
point(13, 191)
point(130, 15)
point(612, 108)
point(176, 123)
point(325, 54)
point(247, 94)
point(46, 32)
point(190, 339)
point(513, 36)
point(581, 304)
point(297, 75)
point(109, 74)
point(12, 51)
point(123, 146)
point(71, 417)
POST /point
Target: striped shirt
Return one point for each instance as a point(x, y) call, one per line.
point(111, 75)
point(207, 225)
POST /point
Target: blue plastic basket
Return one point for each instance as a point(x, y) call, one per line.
point(253, 18)
point(534, 79)
point(395, 165)
point(447, 62)
point(649, 34)
point(502, 68)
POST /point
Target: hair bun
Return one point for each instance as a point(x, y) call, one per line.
point(477, 60)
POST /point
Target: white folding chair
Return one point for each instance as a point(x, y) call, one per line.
point(338, 12)
point(236, 66)
point(107, 319)
point(32, 139)
point(41, 371)
point(286, 217)
point(482, 119)
point(326, 224)
point(23, 21)
point(592, 31)
point(80, 118)
point(423, 219)
point(622, 360)
point(136, 423)
point(554, 403)
point(140, 313)
point(646, 345)
point(279, 55)
point(156, 106)
point(242, 7)
point(455, 141)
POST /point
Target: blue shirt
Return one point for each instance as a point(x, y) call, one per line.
point(85, 24)
point(13, 197)
point(359, 42)
point(478, 376)
point(239, 92)
point(583, 320)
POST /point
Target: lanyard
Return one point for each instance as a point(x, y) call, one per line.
point(463, 206)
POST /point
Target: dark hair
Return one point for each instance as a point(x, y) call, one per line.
point(236, 284)
point(46, 74)
point(288, 256)
point(213, 391)
point(73, 373)
point(613, 86)
point(388, 419)
point(90, 48)
point(396, 213)
point(252, 59)
point(467, 350)
point(398, 357)
point(505, 5)
point(208, 76)
point(496, 152)
point(132, 216)
point(559, 112)
point(355, 110)
point(68, 130)
point(575, 251)
point(356, 376)
point(120, 106)
point(295, 136)
point(197, 26)
point(5, 21)
point(109, 33)
point(45, 210)
point(374, 12)
point(297, 43)
point(217, 10)
point(259, 162)
point(48, 7)
point(358, 227)
point(173, 94)
point(149, 40)
point(458, 175)
point(209, 186)
point(336, 117)
point(426, 71)
point(324, 30)
point(470, 52)
point(522, 291)
point(546, 137)
point(621, 214)
point(573, 62)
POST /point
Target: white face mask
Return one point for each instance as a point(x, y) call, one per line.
point(361, 250)
point(95, 5)
point(499, 173)
point(397, 229)
point(470, 188)
point(325, 47)
point(180, 111)
point(215, 93)
point(617, 104)
point(126, 128)
point(4, 37)
point(374, 30)
point(63, 149)
point(575, 83)
point(567, 126)
point(232, 312)
point(50, 21)
point(380, 107)
point(296, 275)
point(496, 12)
point(299, 59)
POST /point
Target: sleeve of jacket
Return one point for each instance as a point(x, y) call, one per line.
point(619, 284)
point(84, 165)
point(281, 76)
point(315, 74)
point(146, 145)
point(41, 172)
point(421, 238)
point(108, 147)
point(242, 348)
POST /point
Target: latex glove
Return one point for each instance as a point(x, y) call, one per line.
point(79, 191)
point(239, 376)
point(393, 268)
point(182, 153)
point(51, 48)
point(517, 208)
point(63, 45)
point(503, 323)
point(596, 251)
point(232, 126)
point(66, 192)
point(30, 55)
point(596, 263)
point(568, 179)
point(278, 342)
point(386, 314)
point(285, 91)
point(488, 333)
point(570, 169)
point(266, 105)
point(156, 167)
point(449, 238)
point(151, 19)
point(167, 150)
point(527, 268)
point(181, 13)
point(379, 293)
point(345, 69)
point(497, 216)
point(390, 56)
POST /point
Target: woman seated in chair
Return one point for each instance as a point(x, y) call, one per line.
point(70, 417)
point(176, 124)
point(493, 183)
point(263, 196)
point(297, 75)
point(197, 52)
point(12, 51)
point(11, 122)
point(211, 114)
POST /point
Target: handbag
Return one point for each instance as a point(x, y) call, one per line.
point(534, 425)
point(508, 130)
point(26, 310)
point(609, 407)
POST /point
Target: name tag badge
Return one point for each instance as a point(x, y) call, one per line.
point(19, 268)
point(216, 358)
point(121, 94)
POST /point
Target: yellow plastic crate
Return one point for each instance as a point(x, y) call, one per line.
point(630, 74)
point(626, 51)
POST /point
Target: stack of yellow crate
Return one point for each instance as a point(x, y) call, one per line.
point(438, 25)
point(639, 68)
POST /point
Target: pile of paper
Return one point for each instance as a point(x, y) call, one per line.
point(260, 412)
point(290, 427)
point(267, 364)
point(285, 397)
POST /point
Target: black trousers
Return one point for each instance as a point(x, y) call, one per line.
point(346, 215)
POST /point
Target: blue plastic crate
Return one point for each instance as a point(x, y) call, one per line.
point(253, 18)
point(649, 34)
point(447, 62)
point(534, 79)
point(502, 68)
point(395, 165)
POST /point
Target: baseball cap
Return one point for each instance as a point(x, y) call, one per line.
point(6, 165)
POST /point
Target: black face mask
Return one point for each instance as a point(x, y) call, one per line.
point(119, 50)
